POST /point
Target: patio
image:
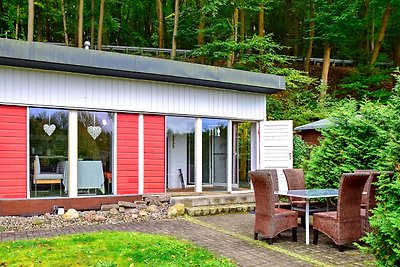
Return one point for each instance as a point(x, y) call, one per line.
point(230, 235)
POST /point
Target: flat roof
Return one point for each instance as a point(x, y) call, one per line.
point(77, 60)
point(321, 124)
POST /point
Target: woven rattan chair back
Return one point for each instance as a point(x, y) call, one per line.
point(350, 191)
point(295, 181)
point(263, 191)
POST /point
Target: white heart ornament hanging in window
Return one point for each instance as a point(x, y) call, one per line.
point(49, 129)
point(94, 131)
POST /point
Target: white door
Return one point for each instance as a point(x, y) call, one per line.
point(276, 148)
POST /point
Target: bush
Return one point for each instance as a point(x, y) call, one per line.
point(300, 151)
point(354, 141)
point(384, 241)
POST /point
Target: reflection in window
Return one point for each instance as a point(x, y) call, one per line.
point(95, 147)
point(214, 138)
point(180, 152)
point(48, 147)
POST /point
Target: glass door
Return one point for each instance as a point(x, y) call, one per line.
point(214, 152)
point(241, 155)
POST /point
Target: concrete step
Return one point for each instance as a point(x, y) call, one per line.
point(213, 200)
point(207, 204)
point(212, 210)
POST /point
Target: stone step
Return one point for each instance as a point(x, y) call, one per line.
point(217, 209)
point(214, 200)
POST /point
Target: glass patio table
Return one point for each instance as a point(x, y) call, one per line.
point(308, 194)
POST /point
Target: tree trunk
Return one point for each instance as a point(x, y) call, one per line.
point(326, 63)
point(160, 17)
point(48, 27)
point(17, 23)
point(366, 29)
point(64, 22)
point(101, 19)
point(31, 16)
point(242, 25)
point(92, 25)
point(381, 35)
point(174, 35)
point(261, 24)
point(235, 23)
point(296, 35)
point(39, 32)
point(311, 39)
point(80, 24)
point(396, 52)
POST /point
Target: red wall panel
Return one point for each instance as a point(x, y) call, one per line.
point(127, 153)
point(154, 154)
point(13, 152)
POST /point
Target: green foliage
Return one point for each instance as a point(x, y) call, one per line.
point(107, 249)
point(366, 81)
point(300, 151)
point(384, 241)
point(357, 139)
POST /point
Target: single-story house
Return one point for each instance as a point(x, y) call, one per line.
point(85, 126)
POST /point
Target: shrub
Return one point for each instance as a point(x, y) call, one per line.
point(354, 141)
point(384, 241)
point(300, 151)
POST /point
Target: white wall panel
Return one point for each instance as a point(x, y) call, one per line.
point(48, 88)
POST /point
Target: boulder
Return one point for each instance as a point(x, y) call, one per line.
point(142, 213)
point(176, 210)
point(113, 211)
point(106, 207)
point(71, 214)
point(152, 209)
point(99, 218)
point(172, 212)
point(126, 204)
point(121, 209)
point(164, 198)
point(181, 208)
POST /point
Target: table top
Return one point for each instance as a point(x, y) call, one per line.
point(309, 193)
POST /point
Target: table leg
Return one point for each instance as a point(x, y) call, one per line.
point(307, 215)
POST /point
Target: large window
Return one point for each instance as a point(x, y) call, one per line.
point(95, 152)
point(180, 152)
point(48, 149)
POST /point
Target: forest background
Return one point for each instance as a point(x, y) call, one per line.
point(328, 50)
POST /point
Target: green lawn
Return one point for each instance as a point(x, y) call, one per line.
point(107, 249)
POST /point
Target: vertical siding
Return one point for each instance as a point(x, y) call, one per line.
point(13, 152)
point(127, 153)
point(154, 154)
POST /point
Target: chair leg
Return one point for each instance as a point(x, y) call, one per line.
point(303, 221)
point(256, 236)
point(269, 240)
point(315, 240)
point(340, 248)
point(294, 234)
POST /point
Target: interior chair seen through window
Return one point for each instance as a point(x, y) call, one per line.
point(44, 178)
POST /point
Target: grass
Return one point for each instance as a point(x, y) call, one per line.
point(106, 249)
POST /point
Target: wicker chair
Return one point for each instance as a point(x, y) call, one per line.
point(369, 199)
point(274, 176)
point(344, 225)
point(366, 188)
point(295, 181)
point(270, 221)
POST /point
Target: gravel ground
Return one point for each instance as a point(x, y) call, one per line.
point(112, 216)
